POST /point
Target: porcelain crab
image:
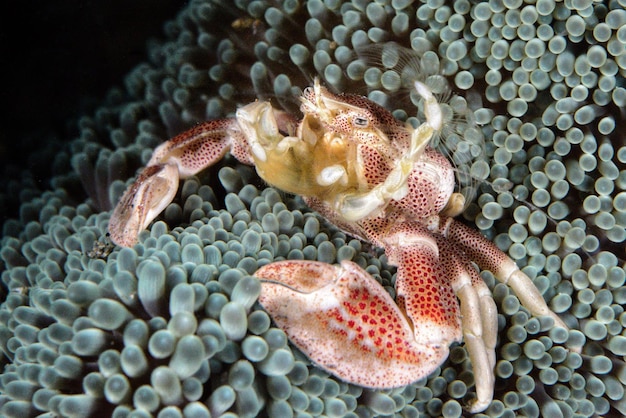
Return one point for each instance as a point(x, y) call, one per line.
point(379, 180)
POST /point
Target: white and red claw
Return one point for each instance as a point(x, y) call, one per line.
point(346, 322)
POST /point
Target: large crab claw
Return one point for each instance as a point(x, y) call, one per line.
point(346, 322)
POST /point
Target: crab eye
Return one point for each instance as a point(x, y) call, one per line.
point(360, 122)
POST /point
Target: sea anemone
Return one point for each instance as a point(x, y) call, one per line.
point(171, 327)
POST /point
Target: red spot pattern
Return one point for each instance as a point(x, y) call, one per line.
point(477, 247)
point(422, 282)
point(381, 351)
point(430, 186)
point(378, 327)
point(376, 167)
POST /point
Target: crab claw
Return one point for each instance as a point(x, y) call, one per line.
point(346, 322)
point(148, 196)
point(180, 157)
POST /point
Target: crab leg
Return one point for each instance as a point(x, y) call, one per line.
point(346, 322)
point(178, 158)
point(479, 317)
point(489, 257)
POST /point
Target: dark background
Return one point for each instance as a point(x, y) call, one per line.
point(59, 58)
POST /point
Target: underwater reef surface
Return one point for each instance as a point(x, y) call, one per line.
point(171, 327)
